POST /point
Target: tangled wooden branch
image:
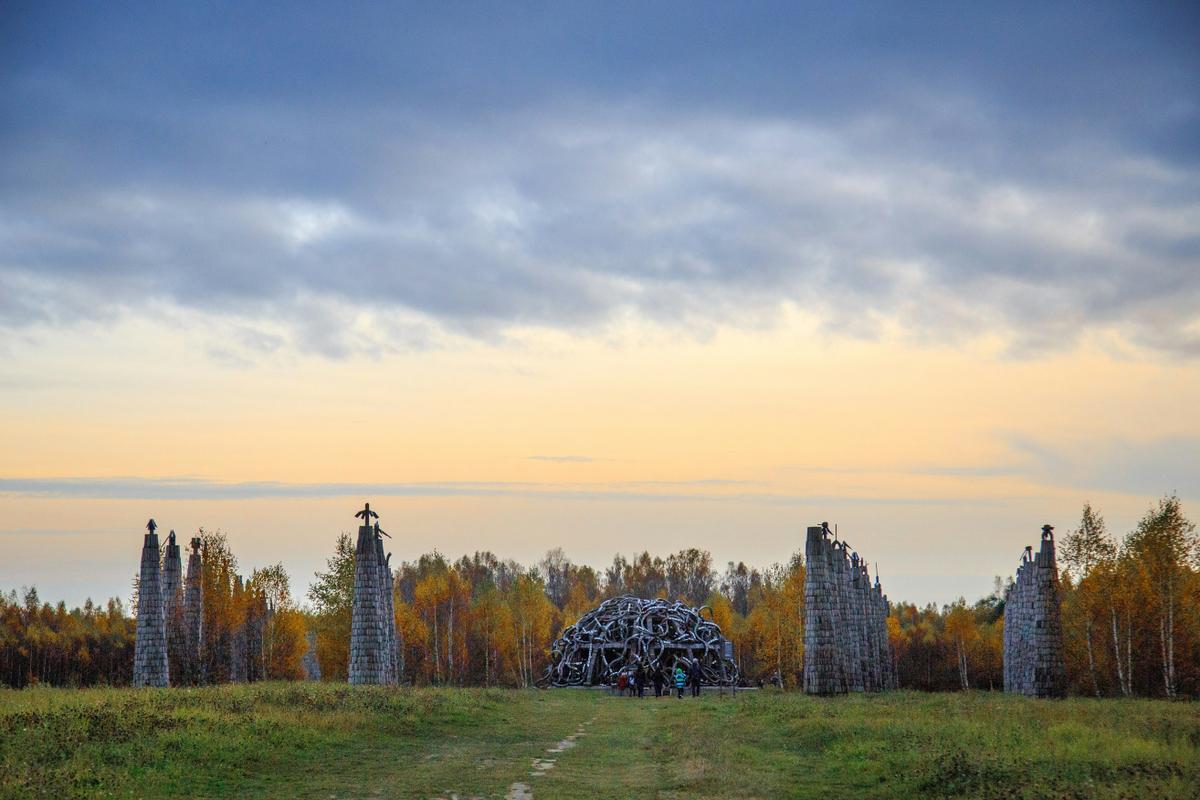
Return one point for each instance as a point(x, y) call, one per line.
point(623, 631)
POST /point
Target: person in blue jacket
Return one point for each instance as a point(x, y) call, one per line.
point(680, 680)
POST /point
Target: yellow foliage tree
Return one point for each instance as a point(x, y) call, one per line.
point(532, 617)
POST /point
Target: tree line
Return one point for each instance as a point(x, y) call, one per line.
point(1130, 612)
point(93, 645)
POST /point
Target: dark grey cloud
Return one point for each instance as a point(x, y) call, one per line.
point(1030, 171)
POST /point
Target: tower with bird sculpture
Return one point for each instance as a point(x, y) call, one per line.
point(150, 645)
point(372, 623)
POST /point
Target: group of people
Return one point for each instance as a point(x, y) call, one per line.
point(637, 675)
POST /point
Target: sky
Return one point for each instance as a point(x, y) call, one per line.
point(600, 276)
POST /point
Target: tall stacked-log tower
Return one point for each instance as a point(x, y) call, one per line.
point(150, 645)
point(1033, 640)
point(373, 641)
point(193, 617)
point(846, 646)
point(172, 589)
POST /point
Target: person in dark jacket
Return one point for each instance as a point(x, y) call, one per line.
point(658, 679)
point(695, 676)
point(639, 679)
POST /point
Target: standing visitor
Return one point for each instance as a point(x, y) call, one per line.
point(695, 675)
point(639, 679)
point(680, 680)
point(659, 680)
point(622, 681)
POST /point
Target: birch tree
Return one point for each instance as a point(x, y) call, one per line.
point(1163, 547)
point(1083, 551)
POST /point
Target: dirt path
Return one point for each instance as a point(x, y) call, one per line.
point(618, 759)
point(522, 790)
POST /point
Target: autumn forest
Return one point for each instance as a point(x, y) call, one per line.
point(1130, 610)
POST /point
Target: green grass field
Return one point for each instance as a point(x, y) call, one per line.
point(326, 741)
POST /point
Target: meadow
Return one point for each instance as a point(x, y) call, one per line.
point(307, 740)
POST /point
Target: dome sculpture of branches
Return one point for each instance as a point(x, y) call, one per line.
point(624, 631)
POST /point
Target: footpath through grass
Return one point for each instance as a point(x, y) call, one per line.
point(328, 741)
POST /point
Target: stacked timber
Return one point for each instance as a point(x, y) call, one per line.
point(1033, 640)
point(846, 646)
point(150, 666)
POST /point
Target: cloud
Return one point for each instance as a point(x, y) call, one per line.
point(703, 490)
point(563, 459)
point(1152, 468)
point(687, 186)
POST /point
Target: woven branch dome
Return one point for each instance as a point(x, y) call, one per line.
point(623, 631)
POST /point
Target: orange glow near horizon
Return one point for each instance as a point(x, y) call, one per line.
point(639, 439)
